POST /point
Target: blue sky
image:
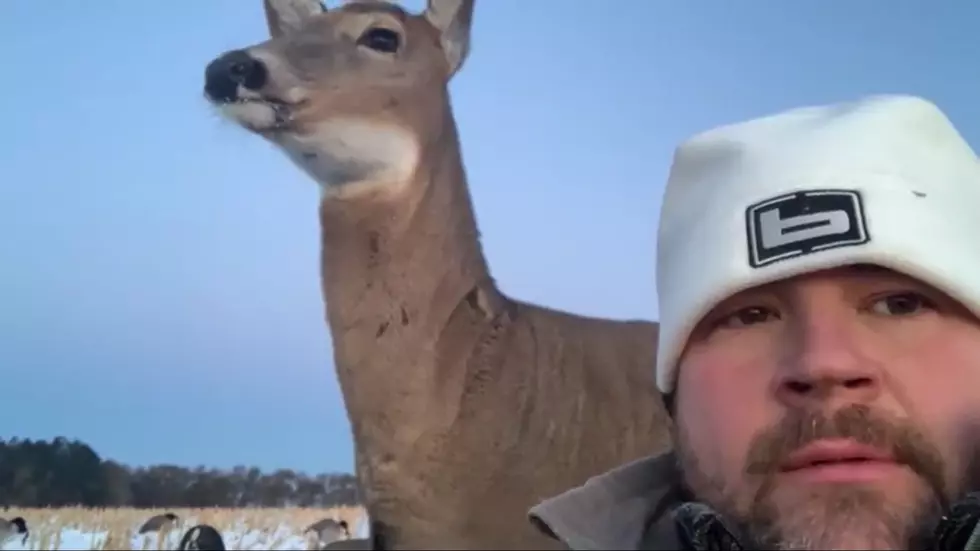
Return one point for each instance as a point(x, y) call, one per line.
point(159, 290)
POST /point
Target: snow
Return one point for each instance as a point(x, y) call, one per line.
point(43, 536)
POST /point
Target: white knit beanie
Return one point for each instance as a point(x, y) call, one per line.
point(886, 180)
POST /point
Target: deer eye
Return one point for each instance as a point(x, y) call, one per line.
point(380, 39)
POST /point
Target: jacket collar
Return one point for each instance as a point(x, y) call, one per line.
point(619, 509)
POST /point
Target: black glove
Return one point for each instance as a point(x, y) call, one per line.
point(702, 529)
point(959, 529)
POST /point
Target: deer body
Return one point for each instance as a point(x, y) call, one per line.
point(467, 407)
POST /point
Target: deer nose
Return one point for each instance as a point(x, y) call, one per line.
point(224, 75)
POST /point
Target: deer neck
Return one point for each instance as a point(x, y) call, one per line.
point(393, 271)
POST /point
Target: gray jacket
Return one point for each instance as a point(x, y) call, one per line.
point(640, 506)
point(629, 507)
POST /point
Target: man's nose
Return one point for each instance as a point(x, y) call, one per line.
point(824, 361)
point(225, 74)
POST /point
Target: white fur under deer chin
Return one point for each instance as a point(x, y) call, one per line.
point(350, 158)
point(253, 115)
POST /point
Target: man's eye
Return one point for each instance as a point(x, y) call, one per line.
point(901, 304)
point(748, 316)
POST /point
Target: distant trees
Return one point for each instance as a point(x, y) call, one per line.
point(62, 472)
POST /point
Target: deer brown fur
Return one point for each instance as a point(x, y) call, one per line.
point(467, 406)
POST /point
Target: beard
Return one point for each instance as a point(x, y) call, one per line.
point(842, 517)
point(779, 515)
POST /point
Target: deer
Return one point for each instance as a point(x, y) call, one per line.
point(466, 406)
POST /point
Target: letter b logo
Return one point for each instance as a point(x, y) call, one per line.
point(804, 222)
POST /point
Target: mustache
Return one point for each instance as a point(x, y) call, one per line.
point(769, 450)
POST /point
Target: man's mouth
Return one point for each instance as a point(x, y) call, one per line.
point(839, 460)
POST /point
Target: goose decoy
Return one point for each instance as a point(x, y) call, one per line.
point(202, 537)
point(328, 530)
point(158, 522)
point(9, 529)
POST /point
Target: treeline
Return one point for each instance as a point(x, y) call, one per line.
point(62, 472)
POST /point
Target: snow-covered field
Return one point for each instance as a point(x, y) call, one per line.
point(87, 529)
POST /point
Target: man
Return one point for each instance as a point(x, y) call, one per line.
point(819, 284)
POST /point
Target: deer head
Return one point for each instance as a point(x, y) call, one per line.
point(354, 95)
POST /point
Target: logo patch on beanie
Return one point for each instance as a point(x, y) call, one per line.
point(804, 222)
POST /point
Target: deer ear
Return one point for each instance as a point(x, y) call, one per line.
point(453, 19)
point(285, 16)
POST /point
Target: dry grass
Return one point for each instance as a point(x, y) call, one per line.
point(81, 528)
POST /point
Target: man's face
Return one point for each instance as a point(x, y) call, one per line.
point(833, 410)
